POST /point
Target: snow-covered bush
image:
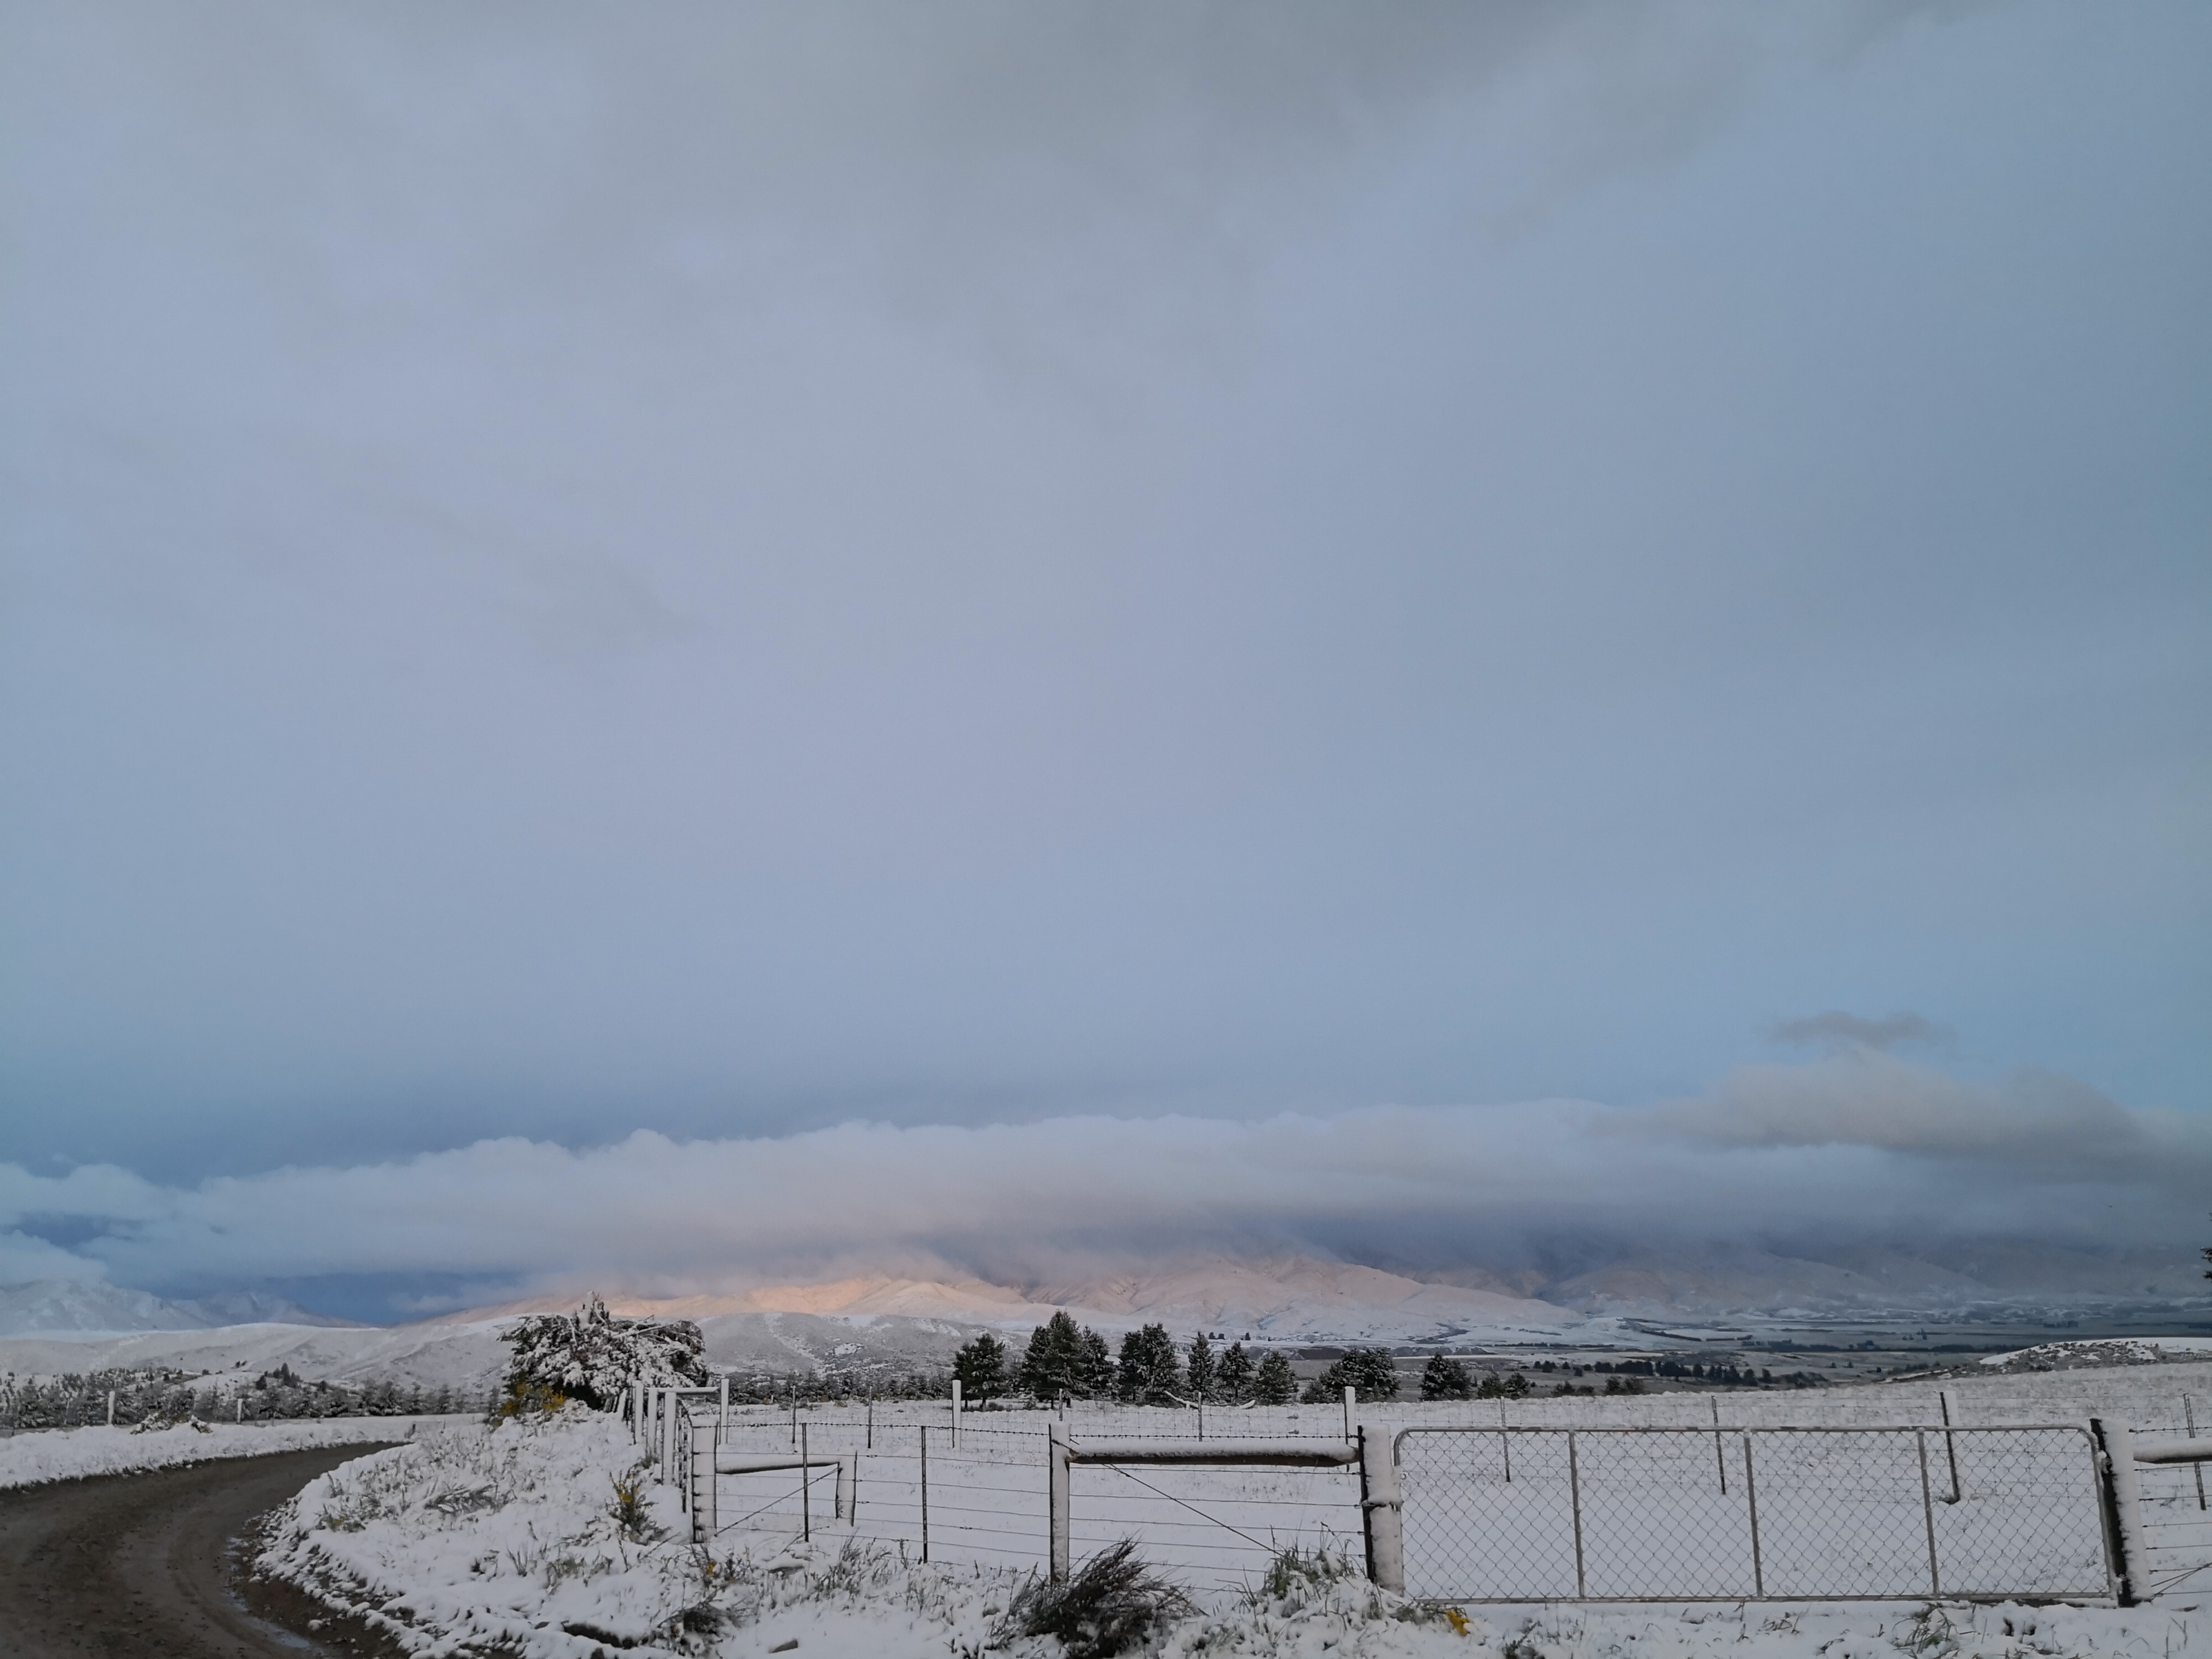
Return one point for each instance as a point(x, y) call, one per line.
point(591, 1355)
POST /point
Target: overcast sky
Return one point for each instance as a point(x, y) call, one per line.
point(723, 571)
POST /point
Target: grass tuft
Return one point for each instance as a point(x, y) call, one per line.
point(1106, 1608)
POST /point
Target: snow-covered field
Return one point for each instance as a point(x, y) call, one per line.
point(517, 1542)
point(31, 1459)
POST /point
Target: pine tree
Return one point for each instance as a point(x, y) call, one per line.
point(1065, 1360)
point(1149, 1374)
point(1199, 1371)
point(1445, 1378)
point(1369, 1373)
point(1052, 1368)
point(1232, 1379)
point(1273, 1383)
point(980, 1368)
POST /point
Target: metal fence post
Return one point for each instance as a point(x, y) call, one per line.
point(1350, 1400)
point(925, 1493)
point(1751, 1500)
point(1574, 1498)
point(1380, 1511)
point(1056, 1484)
point(1950, 1444)
point(723, 1421)
point(1720, 1454)
point(805, 1481)
point(1928, 1514)
point(2188, 1416)
point(956, 1413)
point(1505, 1444)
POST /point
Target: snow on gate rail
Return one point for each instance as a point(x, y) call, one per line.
point(1775, 1513)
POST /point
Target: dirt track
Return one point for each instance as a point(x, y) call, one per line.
point(145, 1564)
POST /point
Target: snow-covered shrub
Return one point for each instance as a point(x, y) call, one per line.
point(591, 1355)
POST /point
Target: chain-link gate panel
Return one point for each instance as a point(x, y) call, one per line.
point(1632, 1513)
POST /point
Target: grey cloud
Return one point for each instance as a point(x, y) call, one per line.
point(1838, 1148)
point(1834, 1027)
point(2033, 1121)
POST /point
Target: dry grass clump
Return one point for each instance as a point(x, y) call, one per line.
point(1106, 1608)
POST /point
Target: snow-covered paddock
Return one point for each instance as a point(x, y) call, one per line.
point(514, 1543)
point(34, 1458)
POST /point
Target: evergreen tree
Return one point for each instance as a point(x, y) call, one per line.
point(1052, 1368)
point(1445, 1378)
point(1274, 1384)
point(1198, 1370)
point(1065, 1361)
point(1098, 1362)
point(980, 1368)
point(1369, 1373)
point(1232, 1378)
point(1149, 1374)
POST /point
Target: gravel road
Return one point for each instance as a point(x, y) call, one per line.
point(145, 1564)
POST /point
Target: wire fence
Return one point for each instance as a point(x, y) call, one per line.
point(2175, 1524)
point(1506, 1512)
point(1635, 1514)
point(987, 1499)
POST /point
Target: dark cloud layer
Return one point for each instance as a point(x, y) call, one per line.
point(1837, 1027)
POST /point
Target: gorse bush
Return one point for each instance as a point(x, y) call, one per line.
point(591, 1355)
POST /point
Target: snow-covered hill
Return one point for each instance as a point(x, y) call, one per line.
point(55, 1304)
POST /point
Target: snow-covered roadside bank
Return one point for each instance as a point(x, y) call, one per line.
point(544, 1540)
point(32, 1459)
point(540, 1541)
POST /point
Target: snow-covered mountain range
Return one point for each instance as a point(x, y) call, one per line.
point(1282, 1299)
point(893, 1325)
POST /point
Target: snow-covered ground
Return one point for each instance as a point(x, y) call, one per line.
point(32, 1459)
point(515, 1541)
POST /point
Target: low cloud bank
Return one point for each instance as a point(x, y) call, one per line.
point(1856, 1144)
